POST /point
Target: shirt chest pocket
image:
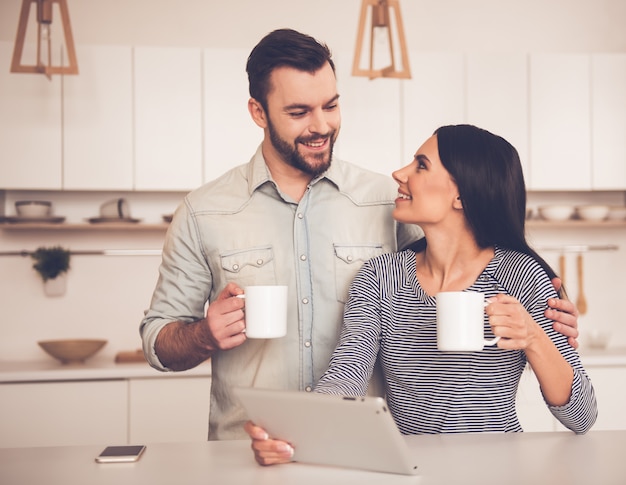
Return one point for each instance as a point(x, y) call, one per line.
point(254, 266)
point(348, 261)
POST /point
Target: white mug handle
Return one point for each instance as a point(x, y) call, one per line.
point(494, 340)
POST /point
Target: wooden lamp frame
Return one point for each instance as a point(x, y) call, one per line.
point(44, 16)
point(380, 16)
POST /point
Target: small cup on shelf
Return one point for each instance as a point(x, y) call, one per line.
point(115, 209)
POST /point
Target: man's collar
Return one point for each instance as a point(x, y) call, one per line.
point(258, 173)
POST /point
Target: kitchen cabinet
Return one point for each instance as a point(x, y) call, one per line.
point(608, 383)
point(30, 127)
point(608, 112)
point(98, 121)
point(435, 96)
point(104, 411)
point(371, 130)
point(560, 122)
point(497, 97)
point(230, 135)
point(169, 409)
point(168, 118)
point(63, 413)
point(610, 395)
point(532, 412)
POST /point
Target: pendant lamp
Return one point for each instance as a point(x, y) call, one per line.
point(48, 39)
point(385, 46)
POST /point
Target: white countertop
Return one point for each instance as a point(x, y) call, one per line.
point(468, 459)
point(49, 370)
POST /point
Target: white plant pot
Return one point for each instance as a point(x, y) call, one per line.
point(56, 286)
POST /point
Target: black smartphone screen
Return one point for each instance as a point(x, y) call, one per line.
point(120, 453)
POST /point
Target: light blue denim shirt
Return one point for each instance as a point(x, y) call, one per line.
point(242, 228)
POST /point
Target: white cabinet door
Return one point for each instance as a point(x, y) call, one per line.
point(497, 97)
point(435, 96)
point(230, 135)
point(532, 412)
point(63, 413)
point(169, 409)
point(168, 118)
point(608, 383)
point(98, 121)
point(560, 121)
point(30, 127)
point(371, 131)
point(608, 110)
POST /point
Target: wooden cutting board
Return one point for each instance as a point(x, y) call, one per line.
point(130, 356)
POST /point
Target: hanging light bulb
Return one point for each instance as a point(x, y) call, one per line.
point(381, 46)
point(44, 35)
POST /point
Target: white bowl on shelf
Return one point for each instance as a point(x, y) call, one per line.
point(597, 339)
point(556, 212)
point(617, 213)
point(592, 212)
point(33, 208)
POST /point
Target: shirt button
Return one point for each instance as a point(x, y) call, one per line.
point(308, 388)
point(307, 343)
point(300, 215)
point(303, 257)
point(235, 267)
point(305, 300)
point(259, 262)
point(349, 258)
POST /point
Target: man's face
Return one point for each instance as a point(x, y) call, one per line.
point(303, 118)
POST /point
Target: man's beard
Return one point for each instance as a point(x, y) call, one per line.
point(291, 155)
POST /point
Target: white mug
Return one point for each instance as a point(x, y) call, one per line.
point(266, 311)
point(115, 209)
point(460, 321)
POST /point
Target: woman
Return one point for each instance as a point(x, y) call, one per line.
point(465, 189)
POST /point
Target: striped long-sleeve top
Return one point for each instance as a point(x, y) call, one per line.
point(389, 316)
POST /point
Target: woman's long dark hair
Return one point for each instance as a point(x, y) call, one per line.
point(487, 171)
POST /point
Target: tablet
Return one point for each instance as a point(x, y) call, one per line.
point(351, 432)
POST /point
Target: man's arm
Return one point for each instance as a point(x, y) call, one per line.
point(181, 346)
point(564, 315)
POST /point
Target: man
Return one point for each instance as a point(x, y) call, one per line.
point(292, 216)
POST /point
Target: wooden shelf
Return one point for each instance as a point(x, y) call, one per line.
point(574, 224)
point(125, 226)
point(108, 226)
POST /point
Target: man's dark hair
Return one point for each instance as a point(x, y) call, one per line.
point(280, 48)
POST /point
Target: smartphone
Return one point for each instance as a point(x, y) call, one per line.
point(120, 454)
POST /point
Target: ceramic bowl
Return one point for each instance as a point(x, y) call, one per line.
point(597, 339)
point(556, 212)
point(617, 213)
point(74, 351)
point(592, 212)
point(33, 208)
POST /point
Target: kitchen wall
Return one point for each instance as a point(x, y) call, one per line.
point(106, 295)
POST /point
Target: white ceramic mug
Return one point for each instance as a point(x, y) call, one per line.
point(460, 321)
point(266, 311)
point(114, 209)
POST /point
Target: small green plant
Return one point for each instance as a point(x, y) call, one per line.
point(51, 262)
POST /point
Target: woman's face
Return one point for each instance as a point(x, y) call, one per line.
point(426, 192)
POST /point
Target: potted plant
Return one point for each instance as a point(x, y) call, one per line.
point(51, 263)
